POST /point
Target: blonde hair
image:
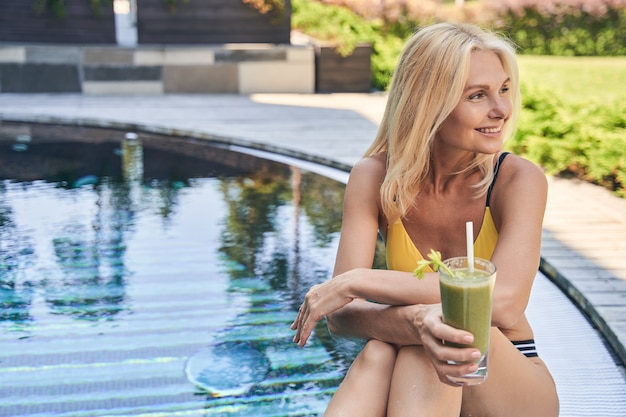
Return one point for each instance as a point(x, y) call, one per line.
point(426, 87)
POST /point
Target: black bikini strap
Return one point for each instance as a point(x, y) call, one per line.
point(495, 176)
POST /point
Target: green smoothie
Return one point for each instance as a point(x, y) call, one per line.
point(467, 300)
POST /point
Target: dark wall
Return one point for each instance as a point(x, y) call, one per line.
point(19, 22)
point(209, 22)
point(335, 73)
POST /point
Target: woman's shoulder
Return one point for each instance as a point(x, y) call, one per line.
point(370, 168)
point(519, 178)
point(519, 169)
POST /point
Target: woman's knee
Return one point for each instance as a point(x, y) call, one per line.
point(376, 353)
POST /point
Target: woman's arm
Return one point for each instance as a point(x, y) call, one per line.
point(518, 204)
point(365, 320)
point(355, 280)
point(379, 287)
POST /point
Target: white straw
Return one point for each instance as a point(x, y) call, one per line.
point(469, 233)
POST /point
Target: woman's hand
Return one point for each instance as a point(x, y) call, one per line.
point(320, 300)
point(433, 331)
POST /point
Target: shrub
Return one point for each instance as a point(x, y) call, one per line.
point(584, 140)
point(331, 23)
point(563, 27)
point(346, 28)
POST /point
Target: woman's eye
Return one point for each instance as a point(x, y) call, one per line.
point(476, 96)
point(504, 89)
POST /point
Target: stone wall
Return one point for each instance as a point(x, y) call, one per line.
point(229, 68)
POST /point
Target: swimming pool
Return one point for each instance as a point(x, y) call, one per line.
point(145, 275)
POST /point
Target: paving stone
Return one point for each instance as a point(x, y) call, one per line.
point(52, 54)
point(122, 73)
point(108, 56)
point(122, 87)
point(250, 55)
point(221, 78)
point(14, 54)
point(39, 78)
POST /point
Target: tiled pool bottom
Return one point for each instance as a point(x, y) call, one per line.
point(78, 342)
point(111, 333)
point(141, 374)
point(164, 297)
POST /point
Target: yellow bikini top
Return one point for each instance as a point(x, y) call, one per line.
point(402, 255)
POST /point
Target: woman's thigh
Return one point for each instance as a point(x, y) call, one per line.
point(416, 389)
point(516, 385)
point(365, 389)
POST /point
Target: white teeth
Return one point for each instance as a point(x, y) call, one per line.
point(491, 130)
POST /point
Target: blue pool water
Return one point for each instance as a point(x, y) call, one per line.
point(158, 277)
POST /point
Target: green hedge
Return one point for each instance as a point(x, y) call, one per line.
point(586, 140)
point(570, 28)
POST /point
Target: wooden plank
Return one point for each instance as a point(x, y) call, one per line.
point(336, 73)
point(19, 22)
point(209, 22)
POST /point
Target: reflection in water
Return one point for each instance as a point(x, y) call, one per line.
point(16, 252)
point(132, 159)
point(124, 262)
point(320, 203)
point(90, 258)
point(253, 203)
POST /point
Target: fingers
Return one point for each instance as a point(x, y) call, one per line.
point(305, 320)
point(434, 327)
point(453, 335)
point(302, 326)
point(449, 369)
point(320, 300)
point(454, 356)
point(451, 360)
point(447, 359)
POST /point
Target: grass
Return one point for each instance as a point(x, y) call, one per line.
point(576, 79)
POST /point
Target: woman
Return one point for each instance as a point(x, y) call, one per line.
point(436, 163)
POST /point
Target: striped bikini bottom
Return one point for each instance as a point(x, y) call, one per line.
point(526, 347)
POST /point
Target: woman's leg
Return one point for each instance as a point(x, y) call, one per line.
point(416, 389)
point(364, 391)
point(517, 386)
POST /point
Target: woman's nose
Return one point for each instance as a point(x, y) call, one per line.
point(501, 108)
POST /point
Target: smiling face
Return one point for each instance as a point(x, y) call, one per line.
point(477, 122)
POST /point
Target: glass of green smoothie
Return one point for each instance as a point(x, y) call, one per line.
point(467, 299)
